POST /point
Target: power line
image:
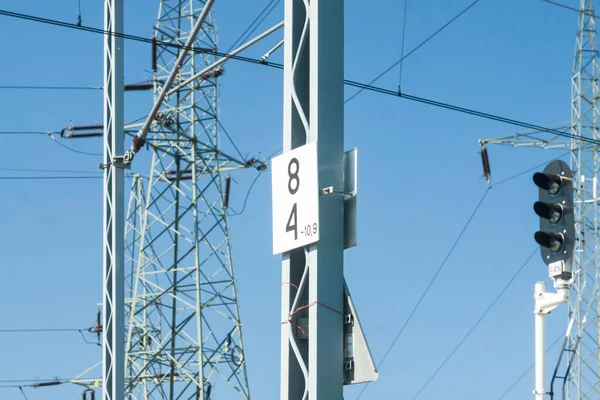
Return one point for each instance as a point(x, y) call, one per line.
point(23, 392)
point(347, 82)
point(470, 111)
point(434, 34)
point(261, 21)
point(230, 139)
point(67, 171)
point(53, 330)
point(79, 20)
point(25, 178)
point(528, 170)
point(50, 135)
point(475, 325)
point(24, 133)
point(52, 87)
point(25, 380)
point(572, 8)
point(35, 383)
point(402, 50)
point(454, 219)
point(253, 183)
point(63, 24)
point(41, 330)
point(528, 369)
point(50, 177)
point(39, 383)
point(431, 282)
point(493, 303)
point(245, 33)
point(247, 195)
point(72, 149)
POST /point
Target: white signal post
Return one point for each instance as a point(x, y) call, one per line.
point(544, 303)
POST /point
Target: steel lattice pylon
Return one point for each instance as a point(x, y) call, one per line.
point(184, 338)
point(584, 306)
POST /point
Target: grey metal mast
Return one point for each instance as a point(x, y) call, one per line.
point(584, 304)
point(184, 338)
point(113, 257)
point(313, 368)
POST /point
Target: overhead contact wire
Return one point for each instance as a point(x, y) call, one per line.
point(402, 47)
point(528, 369)
point(347, 82)
point(391, 67)
point(476, 324)
point(431, 282)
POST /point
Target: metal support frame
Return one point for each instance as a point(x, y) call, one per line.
point(184, 337)
point(584, 380)
point(569, 363)
point(181, 58)
point(113, 373)
point(167, 89)
point(313, 112)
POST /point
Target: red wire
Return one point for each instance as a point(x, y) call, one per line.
point(312, 304)
point(291, 284)
point(308, 306)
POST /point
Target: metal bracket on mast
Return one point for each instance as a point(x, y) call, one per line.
point(122, 162)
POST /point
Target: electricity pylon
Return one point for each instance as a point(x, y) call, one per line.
point(584, 304)
point(184, 337)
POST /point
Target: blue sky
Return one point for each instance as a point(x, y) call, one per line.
point(419, 172)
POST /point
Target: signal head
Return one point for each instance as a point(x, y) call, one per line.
point(550, 211)
point(550, 182)
point(551, 240)
point(556, 234)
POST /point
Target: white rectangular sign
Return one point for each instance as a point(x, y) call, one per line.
point(295, 198)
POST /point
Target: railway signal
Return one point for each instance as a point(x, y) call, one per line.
point(556, 236)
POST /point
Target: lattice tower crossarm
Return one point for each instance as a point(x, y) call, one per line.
point(184, 338)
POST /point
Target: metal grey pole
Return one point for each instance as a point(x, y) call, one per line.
point(326, 258)
point(113, 366)
point(312, 363)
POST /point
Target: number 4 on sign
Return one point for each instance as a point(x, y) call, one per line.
point(295, 198)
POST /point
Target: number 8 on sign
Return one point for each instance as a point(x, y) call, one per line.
point(295, 199)
point(294, 182)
